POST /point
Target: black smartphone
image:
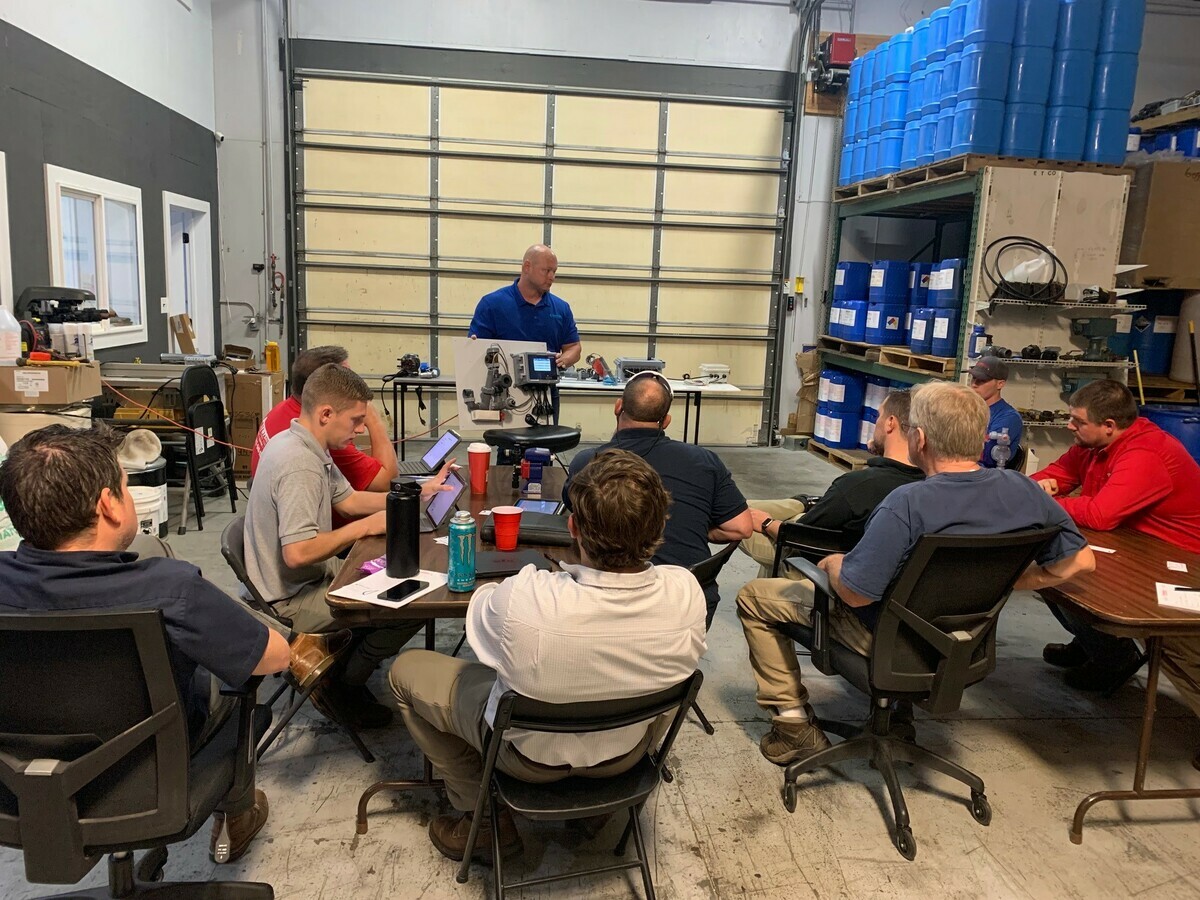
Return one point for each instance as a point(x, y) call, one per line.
point(403, 590)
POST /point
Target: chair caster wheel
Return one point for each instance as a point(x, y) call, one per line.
point(150, 866)
point(789, 796)
point(906, 843)
point(981, 809)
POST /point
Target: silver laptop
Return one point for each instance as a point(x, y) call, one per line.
point(434, 457)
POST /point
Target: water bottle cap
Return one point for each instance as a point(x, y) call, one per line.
point(462, 516)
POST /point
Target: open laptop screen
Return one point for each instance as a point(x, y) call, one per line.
point(434, 455)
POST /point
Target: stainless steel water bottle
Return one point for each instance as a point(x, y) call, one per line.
point(403, 528)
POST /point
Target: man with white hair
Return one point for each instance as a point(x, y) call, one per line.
point(947, 428)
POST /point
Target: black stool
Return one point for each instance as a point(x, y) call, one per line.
point(515, 441)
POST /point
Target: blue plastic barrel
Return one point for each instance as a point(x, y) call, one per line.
point(876, 392)
point(1071, 78)
point(871, 160)
point(909, 145)
point(938, 24)
point(931, 93)
point(944, 136)
point(895, 105)
point(850, 280)
point(920, 46)
point(1037, 23)
point(985, 71)
point(1121, 342)
point(862, 117)
point(1187, 142)
point(868, 71)
point(879, 70)
point(854, 320)
point(1107, 133)
point(858, 161)
point(855, 82)
point(950, 71)
point(990, 20)
point(1153, 337)
point(976, 342)
point(1023, 127)
point(945, 284)
point(1121, 24)
point(1029, 75)
point(844, 164)
point(945, 333)
point(842, 428)
point(927, 140)
point(955, 23)
point(978, 127)
point(866, 428)
point(1065, 134)
point(900, 57)
point(849, 118)
point(1182, 422)
point(889, 281)
point(834, 329)
point(915, 97)
point(842, 390)
point(921, 338)
point(1164, 140)
point(918, 283)
point(891, 151)
point(875, 119)
point(908, 326)
point(1114, 81)
point(885, 323)
point(1079, 25)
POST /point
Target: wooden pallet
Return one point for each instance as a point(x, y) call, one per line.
point(935, 366)
point(843, 459)
point(960, 167)
point(869, 352)
point(1160, 388)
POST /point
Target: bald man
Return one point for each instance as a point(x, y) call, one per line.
point(526, 311)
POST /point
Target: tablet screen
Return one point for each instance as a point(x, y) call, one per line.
point(443, 501)
point(550, 507)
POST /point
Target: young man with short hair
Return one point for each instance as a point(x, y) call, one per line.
point(988, 377)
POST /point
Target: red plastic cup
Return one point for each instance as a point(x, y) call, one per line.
point(507, 520)
point(479, 457)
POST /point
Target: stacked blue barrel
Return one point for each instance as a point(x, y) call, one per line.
point(935, 309)
point(1034, 78)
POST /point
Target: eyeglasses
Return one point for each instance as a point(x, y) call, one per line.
point(650, 373)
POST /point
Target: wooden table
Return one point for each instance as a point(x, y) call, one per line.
point(1119, 598)
point(441, 603)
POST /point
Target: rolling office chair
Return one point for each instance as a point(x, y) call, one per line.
point(577, 797)
point(936, 636)
point(513, 442)
point(706, 572)
point(795, 539)
point(95, 757)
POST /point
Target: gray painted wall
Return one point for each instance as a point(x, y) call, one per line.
point(57, 110)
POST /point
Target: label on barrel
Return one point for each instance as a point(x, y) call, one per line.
point(866, 432)
point(877, 278)
point(849, 316)
point(918, 330)
point(941, 328)
point(837, 393)
point(873, 319)
point(833, 430)
point(892, 323)
point(1124, 323)
point(1164, 324)
point(840, 278)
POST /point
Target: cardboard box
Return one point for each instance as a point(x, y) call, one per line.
point(253, 393)
point(1161, 225)
point(243, 430)
point(809, 366)
point(49, 385)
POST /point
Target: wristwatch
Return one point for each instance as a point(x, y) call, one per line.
point(763, 527)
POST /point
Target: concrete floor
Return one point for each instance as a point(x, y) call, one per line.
point(721, 829)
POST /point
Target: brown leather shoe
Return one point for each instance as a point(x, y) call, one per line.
point(792, 739)
point(313, 654)
point(449, 834)
point(231, 837)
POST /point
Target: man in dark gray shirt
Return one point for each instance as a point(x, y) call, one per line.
point(292, 546)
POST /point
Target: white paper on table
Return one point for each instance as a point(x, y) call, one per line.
point(1178, 596)
point(1096, 549)
point(1177, 567)
point(369, 588)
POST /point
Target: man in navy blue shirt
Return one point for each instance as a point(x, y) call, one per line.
point(70, 501)
point(946, 427)
point(988, 377)
point(526, 311)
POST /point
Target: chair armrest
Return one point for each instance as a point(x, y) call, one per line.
point(822, 594)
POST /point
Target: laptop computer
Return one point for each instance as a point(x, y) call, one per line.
point(441, 506)
point(434, 457)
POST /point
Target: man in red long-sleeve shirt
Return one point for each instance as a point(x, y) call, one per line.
point(1131, 474)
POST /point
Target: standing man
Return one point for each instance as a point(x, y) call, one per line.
point(527, 311)
point(292, 546)
point(706, 505)
point(1134, 475)
point(988, 377)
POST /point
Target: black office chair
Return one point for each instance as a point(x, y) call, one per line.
point(513, 442)
point(577, 797)
point(1017, 462)
point(95, 756)
point(233, 548)
point(935, 637)
point(706, 572)
point(806, 542)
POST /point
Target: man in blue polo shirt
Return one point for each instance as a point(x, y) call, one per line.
point(988, 377)
point(527, 311)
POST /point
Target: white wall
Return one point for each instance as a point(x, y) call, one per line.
point(157, 47)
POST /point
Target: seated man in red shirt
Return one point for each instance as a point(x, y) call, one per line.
point(1131, 474)
point(372, 471)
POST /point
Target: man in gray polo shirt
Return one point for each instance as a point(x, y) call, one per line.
point(292, 547)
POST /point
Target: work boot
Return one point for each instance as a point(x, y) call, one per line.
point(449, 834)
point(791, 739)
point(231, 835)
point(351, 705)
point(313, 654)
point(1065, 656)
point(1092, 676)
point(901, 725)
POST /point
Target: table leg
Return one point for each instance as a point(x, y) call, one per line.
point(1154, 647)
point(696, 439)
point(403, 427)
point(687, 412)
point(396, 421)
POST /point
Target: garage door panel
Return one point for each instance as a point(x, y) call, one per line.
point(579, 246)
point(491, 180)
point(330, 170)
point(744, 358)
point(500, 243)
point(730, 250)
point(372, 351)
point(607, 302)
point(597, 186)
point(366, 106)
point(677, 303)
point(603, 122)
point(366, 232)
point(505, 117)
point(727, 130)
point(367, 289)
point(723, 192)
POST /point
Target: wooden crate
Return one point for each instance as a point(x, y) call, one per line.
point(848, 460)
point(935, 366)
point(868, 352)
point(1159, 388)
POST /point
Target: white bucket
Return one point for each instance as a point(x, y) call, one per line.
point(150, 504)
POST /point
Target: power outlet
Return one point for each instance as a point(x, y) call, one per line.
point(164, 305)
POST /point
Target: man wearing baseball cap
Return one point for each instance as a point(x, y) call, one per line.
point(988, 377)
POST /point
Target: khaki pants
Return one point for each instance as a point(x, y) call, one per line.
point(1181, 663)
point(310, 614)
point(765, 603)
point(758, 546)
point(442, 700)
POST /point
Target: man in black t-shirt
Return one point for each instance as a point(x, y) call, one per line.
point(706, 505)
point(852, 497)
point(80, 551)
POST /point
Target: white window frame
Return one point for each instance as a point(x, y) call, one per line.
point(6, 284)
point(59, 180)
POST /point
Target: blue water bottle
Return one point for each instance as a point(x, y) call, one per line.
point(460, 574)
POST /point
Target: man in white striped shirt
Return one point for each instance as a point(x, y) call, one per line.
point(613, 627)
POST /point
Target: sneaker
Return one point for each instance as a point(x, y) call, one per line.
point(792, 739)
point(1103, 679)
point(1064, 656)
point(313, 654)
point(449, 834)
point(351, 705)
point(231, 836)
